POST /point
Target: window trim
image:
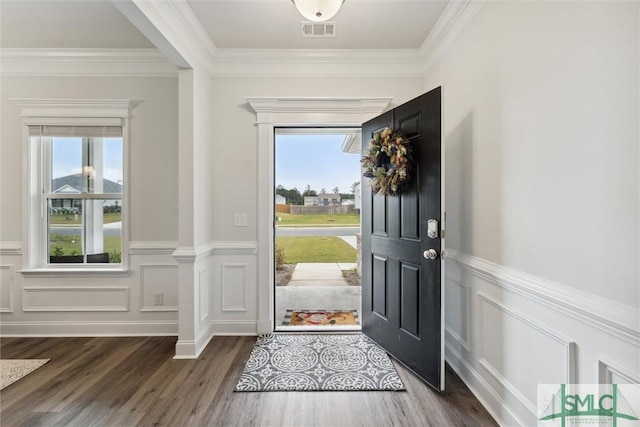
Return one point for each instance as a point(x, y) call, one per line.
point(68, 112)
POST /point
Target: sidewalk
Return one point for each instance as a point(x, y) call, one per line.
point(319, 274)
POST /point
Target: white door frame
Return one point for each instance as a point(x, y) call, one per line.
point(275, 112)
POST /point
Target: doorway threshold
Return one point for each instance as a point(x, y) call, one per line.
point(333, 328)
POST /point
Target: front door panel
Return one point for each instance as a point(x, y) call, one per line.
point(402, 296)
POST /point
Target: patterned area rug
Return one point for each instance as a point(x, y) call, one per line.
point(318, 363)
point(11, 370)
point(320, 317)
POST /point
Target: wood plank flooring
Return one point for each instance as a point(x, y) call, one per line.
point(136, 382)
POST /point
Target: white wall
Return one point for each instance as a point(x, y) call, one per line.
point(235, 292)
point(30, 303)
point(235, 157)
point(541, 107)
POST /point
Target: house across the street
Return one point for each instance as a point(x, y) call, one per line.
point(322, 200)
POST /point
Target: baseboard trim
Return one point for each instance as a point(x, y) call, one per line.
point(264, 327)
point(234, 327)
point(88, 329)
point(191, 349)
point(609, 316)
point(485, 394)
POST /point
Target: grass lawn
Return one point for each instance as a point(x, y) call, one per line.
point(316, 249)
point(71, 245)
point(71, 219)
point(320, 219)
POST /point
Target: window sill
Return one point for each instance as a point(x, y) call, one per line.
point(75, 272)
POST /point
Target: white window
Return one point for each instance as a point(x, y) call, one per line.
point(77, 185)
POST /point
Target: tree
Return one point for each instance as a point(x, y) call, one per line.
point(353, 187)
point(293, 196)
point(323, 191)
point(309, 192)
point(336, 190)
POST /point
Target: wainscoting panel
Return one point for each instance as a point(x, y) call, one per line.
point(75, 299)
point(234, 299)
point(534, 346)
point(508, 331)
point(458, 312)
point(609, 373)
point(234, 287)
point(6, 289)
point(155, 278)
point(72, 304)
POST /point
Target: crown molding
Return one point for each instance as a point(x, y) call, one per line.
point(85, 62)
point(176, 22)
point(454, 20)
point(317, 55)
point(192, 25)
point(318, 62)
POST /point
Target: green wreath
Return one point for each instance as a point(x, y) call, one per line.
point(388, 162)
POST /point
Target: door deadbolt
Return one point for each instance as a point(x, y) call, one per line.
point(430, 254)
point(432, 228)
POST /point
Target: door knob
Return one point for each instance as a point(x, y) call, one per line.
point(430, 254)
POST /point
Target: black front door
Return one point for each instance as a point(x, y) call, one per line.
point(401, 285)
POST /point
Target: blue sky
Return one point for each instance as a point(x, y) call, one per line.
point(315, 160)
point(67, 157)
point(301, 160)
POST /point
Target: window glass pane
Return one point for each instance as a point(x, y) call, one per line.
point(111, 230)
point(112, 165)
point(65, 231)
point(93, 165)
point(103, 231)
point(66, 165)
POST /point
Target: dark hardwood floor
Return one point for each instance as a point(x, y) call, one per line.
point(135, 381)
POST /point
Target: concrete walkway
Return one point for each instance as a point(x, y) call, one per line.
point(317, 286)
point(319, 274)
point(351, 240)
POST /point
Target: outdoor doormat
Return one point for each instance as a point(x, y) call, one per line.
point(313, 362)
point(320, 317)
point(11, 370)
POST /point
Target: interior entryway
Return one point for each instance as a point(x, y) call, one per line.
point(317, 229)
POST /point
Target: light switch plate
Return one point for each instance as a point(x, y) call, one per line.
point(240, 220)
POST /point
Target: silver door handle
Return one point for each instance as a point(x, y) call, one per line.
point(430, 254)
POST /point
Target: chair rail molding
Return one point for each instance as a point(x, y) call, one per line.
point(609, 316)
point(10, 248)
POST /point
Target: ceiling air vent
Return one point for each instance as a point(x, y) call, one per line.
point(319, 29)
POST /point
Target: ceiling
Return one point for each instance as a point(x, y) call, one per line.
point(231, 24)
point(67, 25)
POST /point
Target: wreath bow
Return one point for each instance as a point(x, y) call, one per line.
point(388, 162)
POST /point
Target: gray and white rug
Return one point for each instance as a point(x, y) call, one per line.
point(11, 370)
point(318, 363)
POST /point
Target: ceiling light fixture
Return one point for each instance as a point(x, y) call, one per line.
point(318, 10)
